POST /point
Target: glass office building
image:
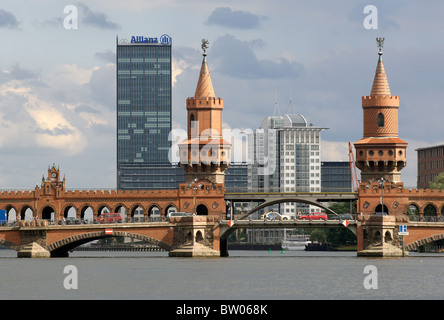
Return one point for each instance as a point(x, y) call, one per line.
point(336, 176)
point(144, 98)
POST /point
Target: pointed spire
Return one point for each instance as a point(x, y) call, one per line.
point(380, 84)
point(276, 111)
point(290, 107)
point(204, 88)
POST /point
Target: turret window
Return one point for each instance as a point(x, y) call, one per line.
point(380, 120)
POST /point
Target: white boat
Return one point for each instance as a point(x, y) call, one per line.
point(295, 242)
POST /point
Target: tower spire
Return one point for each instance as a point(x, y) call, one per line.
point(380, 153)
point(380, 84)
point(204, 88)
point(205, 154)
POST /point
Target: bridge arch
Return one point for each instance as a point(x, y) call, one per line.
point(381, 208)
point(171, 207)
point(47, 211)
point(136, 208)
point(103, 208)
point(61, 247)
point(121, 208)
point(283, 200)
point(202, 210)
point(27, 212)
point(87, 207)
point(154, 209)
point(69, 208)
point(9, 244)
point(10, 209)
point(430, 210)
point(423, 241)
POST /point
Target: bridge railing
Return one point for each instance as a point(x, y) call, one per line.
point(44, 222)
point(331, 217)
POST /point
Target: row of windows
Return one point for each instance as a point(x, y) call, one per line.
point(433, 164)
point(380, 152)
point(432, 152)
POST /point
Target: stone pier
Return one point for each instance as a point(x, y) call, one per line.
point(196, 236)
point(378, 236)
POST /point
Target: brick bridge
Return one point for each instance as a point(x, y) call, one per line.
point(205, 234)
point(185, 236)
point(52, 201)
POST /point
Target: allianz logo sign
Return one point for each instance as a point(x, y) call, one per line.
point(164, 39)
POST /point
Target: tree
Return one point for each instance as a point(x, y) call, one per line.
point(438, 182)
point(318, 236)
point(343, 207)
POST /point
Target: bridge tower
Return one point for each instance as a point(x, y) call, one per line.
point(380, 153)
point(204, 155)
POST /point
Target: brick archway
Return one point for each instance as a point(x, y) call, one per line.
point(66, 244)
point(9, 244)
point(421, 242)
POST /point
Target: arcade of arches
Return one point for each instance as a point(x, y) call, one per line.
point(51, 201)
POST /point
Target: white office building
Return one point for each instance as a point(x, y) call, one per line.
point(285, 156)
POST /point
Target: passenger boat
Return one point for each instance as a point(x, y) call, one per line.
point(295, 242)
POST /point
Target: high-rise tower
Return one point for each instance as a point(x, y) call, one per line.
point(144, 113)
point(380, 153)
point(204, 155)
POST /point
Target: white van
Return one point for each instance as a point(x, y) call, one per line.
point(179, 214)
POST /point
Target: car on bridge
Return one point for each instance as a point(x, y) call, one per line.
point(314, 216)
point(341, 216)
point(109, 218)
point(275, 216)
point(179, 214)
point(72, 220)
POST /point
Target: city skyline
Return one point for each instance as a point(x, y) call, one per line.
point(58, 104)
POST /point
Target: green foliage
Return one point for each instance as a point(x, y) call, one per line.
point(318, 236)
point(438, 182)
point(343, 207)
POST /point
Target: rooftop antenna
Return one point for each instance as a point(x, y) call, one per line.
point(290, 105)
point(276, 107)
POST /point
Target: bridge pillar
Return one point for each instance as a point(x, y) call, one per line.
point(33, 243)
point(196, 236)
point(378, 237)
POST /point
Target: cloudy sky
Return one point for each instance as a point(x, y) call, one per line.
point(57, 85)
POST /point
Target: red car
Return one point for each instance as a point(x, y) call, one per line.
point(110, 218)
point(314, 216)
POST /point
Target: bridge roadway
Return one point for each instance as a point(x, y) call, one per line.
point(289, 224)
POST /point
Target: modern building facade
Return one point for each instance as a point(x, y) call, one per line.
point(144, 97)
point(430, 164)
point(285, 155)
point(336, 176)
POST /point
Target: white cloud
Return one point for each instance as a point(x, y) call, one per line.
point(334, 150)
point(69, 74)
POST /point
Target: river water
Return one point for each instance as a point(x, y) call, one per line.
point(244, 275)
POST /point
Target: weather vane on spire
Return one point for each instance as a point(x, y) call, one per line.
point(380, 42)
point(204, 46)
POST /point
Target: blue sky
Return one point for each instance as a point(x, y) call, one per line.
point(57, 86)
